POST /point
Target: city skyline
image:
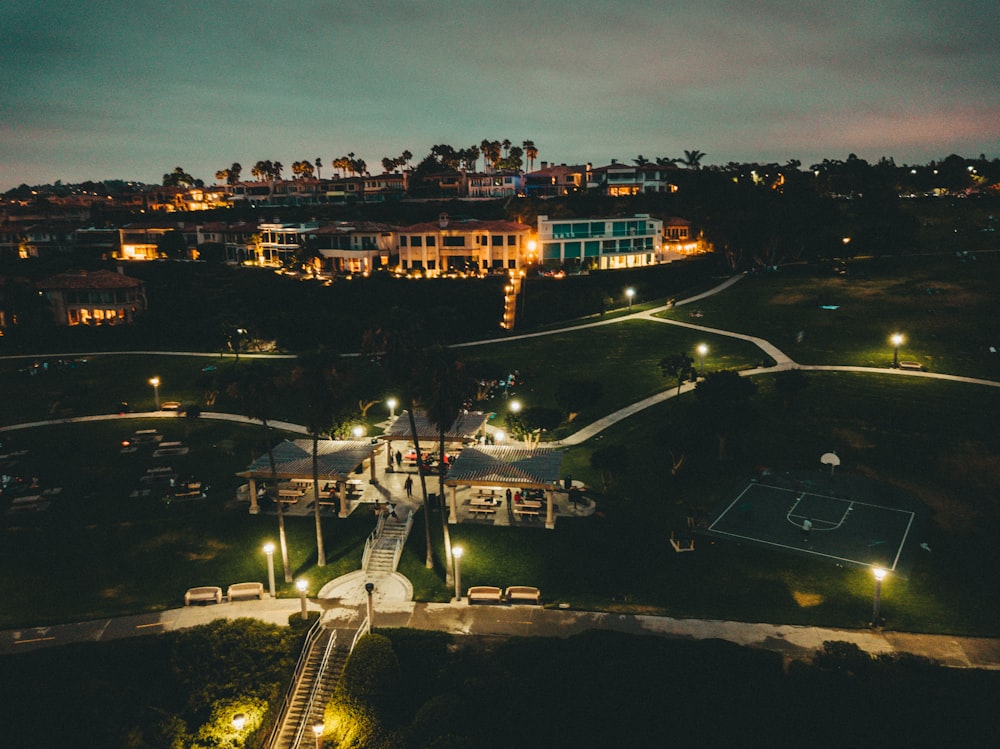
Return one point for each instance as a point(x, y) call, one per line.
point(131, 90)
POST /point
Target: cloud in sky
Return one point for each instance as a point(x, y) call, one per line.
point(132, 89)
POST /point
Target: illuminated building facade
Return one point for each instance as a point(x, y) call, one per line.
point(602, 243)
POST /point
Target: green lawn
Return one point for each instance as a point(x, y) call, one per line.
point(98, 552)
point(945, 308)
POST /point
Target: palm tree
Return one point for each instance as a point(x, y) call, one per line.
point(397, 345)
point(640, 160)
point(445, 391)
point(531, 153)
point(692, 159)
point(253, 387)
point(317, 374)
point(319, 167)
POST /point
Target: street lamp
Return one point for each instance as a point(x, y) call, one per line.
point(629, 292)
point(456, 552)
point(392, 403)
point(358, 432)
point(155, 382)
point(515, 406)
point(702, 350)
point(880, 574)
point(301, 585)
point(239, 721)
point(269, 550)
point(318, 732)
point(369, 587)
point(897, 340)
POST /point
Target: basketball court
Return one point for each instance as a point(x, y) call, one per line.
point(842, 521)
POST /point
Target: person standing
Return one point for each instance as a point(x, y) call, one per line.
point(408, 486)
point(399, 459)
point(806, 527)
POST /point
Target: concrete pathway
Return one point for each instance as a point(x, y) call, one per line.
point(343, 602)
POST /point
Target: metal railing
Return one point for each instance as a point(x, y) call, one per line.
point(311, 636)
point(314, 690)
point(372, 540)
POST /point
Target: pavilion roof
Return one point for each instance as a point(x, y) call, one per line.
point(293, 459)
point(507, 466)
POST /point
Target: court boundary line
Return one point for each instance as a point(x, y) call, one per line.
point(751, 539)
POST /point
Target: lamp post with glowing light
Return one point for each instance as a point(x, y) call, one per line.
point(702, 350)
point(318, 729)
point(880, 574)
point(301, 585)
point(392, 403)
point(269, 550)
point(239, 721)
point(456, 553)
point(155, 382)
point(897, 341)
point(629, 293)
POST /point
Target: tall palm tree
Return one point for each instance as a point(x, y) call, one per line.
point(397, 344)
point(531, 153)
point(445, 391)
point(692, 159)
point(320, 380)
point(319, 168)
point(253, 387)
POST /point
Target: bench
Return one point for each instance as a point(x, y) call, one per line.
point(529, 511)
point(485, 594)
point(245, 590)
point(483, 512)
point(911, 365)
point(203, 594)
point(523, 594)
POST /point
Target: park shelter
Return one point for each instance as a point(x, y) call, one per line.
point(337, 461)
point(514, 467)
point(468, 426)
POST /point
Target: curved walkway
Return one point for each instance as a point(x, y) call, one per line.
point(340, 598)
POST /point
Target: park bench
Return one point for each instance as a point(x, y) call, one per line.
point(203, 594)
point(523, 594)
point(485, 594)
point(531, 512)
point(482, 511)
point(245, 590)
point(911, 365)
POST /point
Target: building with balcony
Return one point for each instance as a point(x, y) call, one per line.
point(600, 243)
point(99, 297)
point(435, 248)
point(623, 180)
point(279, 243)
point(353, 247)
point(496, 185)
point(554, 180)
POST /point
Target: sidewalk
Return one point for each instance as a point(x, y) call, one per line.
point(343, 601)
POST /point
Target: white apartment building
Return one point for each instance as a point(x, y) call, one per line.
point(604, 243)
point(434, 248)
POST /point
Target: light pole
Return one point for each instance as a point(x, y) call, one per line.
point(301, 585)
point(629, 292)
point(269, 550)
point(897, 341)
point(155, 382)
point(392, 403)
point(702, 350)
point(880, 574)
point(239, 721)
point(456, 552)
point(369, 587)
point(318, 732)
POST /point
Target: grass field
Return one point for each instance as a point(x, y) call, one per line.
point(98, 552)
point(945, 308)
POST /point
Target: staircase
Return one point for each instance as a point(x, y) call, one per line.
point(320, 671)
point(386, 542)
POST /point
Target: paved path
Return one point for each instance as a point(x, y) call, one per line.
point(340, 599)
point(343, 602)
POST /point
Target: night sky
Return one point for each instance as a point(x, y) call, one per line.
point(105, 90)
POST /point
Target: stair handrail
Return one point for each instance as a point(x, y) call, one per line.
point(363, 630)
point(307, 644)
point(372, 540)
point(397, 552)
point(317, 681)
